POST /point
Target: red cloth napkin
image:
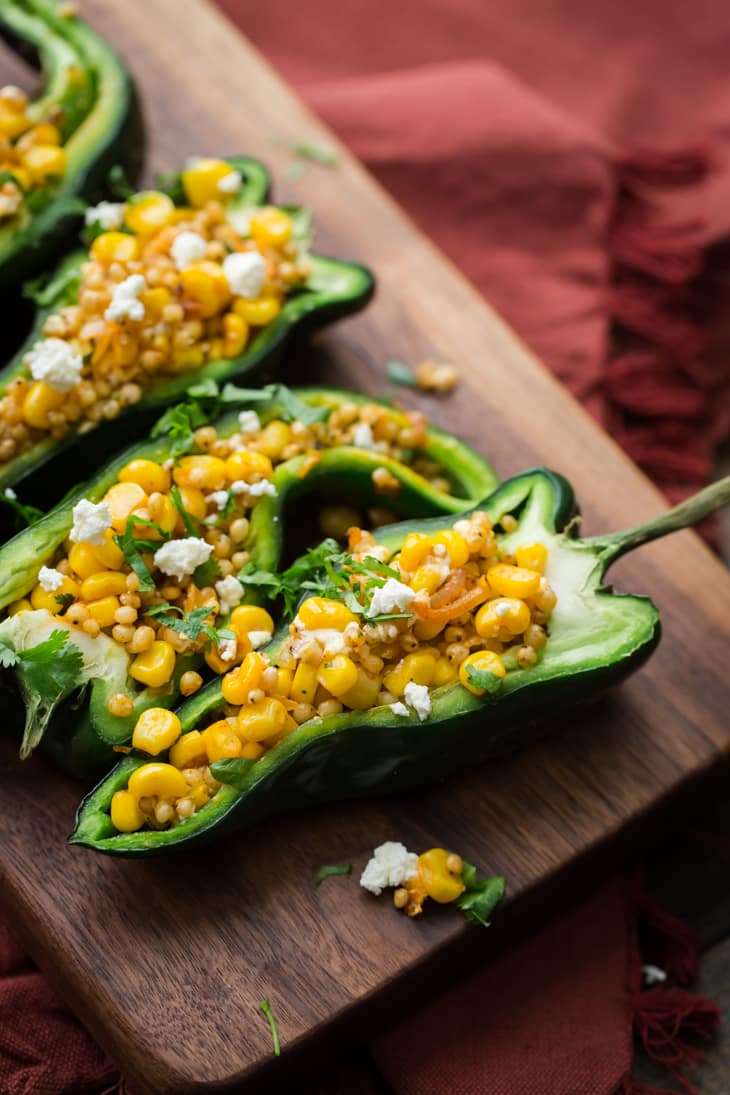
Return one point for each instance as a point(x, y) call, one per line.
point(507, 132)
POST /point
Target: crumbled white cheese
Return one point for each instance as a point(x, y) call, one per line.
point(330, 639)
point(50, 579)
point(227, 650)
point(363, 438)
point(394, 596)
point(254, 490)
point(230, 183)
point(125, 303)
point(653, 975)
point(418, 697)
point(399, 708)
point(178, 558)
point(91, 521)
point(10, 493)
point(259, 638)
point(217, 498)
point(56, 363)
point(108, 215)
point(245, 272)
point(229, 592)
point(249, 422)
point(391, 865)
point(187, 248)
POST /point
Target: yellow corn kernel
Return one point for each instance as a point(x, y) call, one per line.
point(220, 741)
point(12, 124)
point(163, 512)
point(274, 439)
point(532, 557)
point(186, 358)
point(154, 301)
point(45, 161)
point(365, 693)
point(149, 211)
point(123, 499)
point(271, 227)
point(109, 554)
point(103, 583)
point(44, 133)
point(206, 284)
point(156, 729)
point(509, 581)
point(318, 612)
point(125, 812)
point(189, 751)
point(84, 561)
point(441, 884)
point(200, 181)
point(338, 675)
point(257, 313)
point(253, 750)
point(455, 544)
point(416, 547)
point(39, 401)
point(261, 721)
point(104, 610)
point(284, 678)
point(112, 247)
point(235, 334)
point(157, 780)
point(444, 673)
point(199, 794)
point(148, 475)
point(428, 577)
point(205, 473)
point(194, 502)
point(23, 605)
point(43, 598)
point(21, 176)
point(485, 661)
point(237, 684)
point(304, 683)
point(503, 613)
point(247, 618)
point(154, 666)
point(245, 464)
point(417, 667)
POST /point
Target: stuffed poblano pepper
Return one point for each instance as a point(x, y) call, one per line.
point(60, 147)
point(425, 648)
point(135, 585)
point(202, 282)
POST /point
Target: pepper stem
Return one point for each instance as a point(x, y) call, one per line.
point(687, 513)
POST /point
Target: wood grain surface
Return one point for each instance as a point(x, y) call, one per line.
point(167, 960)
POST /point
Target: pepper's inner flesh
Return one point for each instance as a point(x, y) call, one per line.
point(206, 501)
point(32, 157)
point(165, 289)
point(449, 608)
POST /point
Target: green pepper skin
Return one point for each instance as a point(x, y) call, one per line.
point(597, 638)
point(101, 125)
point(333, 290)
point(81, 741)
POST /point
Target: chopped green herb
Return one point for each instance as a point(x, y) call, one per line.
point(480, 898)
point(265, 1006)
point(64, 600)
point(188, 520)
point(315, 154)
point(47, 673)
point(26, 515)
point(402, 374)
point(130, 548)
point(207, 573)
point(118, 183)
point(483, 679)
point(332, 869)
point(46, 289)
point(170, 182)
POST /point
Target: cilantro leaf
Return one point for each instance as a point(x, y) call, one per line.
point(46, 289)
point(332, 869)
point(179, 423)
point(484, 680)
point(46, 673)
point(8, 657)
point(129, 547)
point(265, 1006)
point(118, 183)
point(480, 899)
point(292, 407)
point(206, 573)
point(233, 770)
point(191, 624)
point(188, 520)
point(170, 182)
point(402, 374)
point(64, 600)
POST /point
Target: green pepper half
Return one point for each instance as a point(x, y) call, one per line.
point(333, 289)
point(597, 638)
point(81, 738)
point(92, 93)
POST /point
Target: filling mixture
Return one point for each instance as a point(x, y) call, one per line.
point(165, 289)
point(31, 156)
point(449, 608)
point(154, 565)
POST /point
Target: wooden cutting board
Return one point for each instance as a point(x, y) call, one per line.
point(167, 960)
